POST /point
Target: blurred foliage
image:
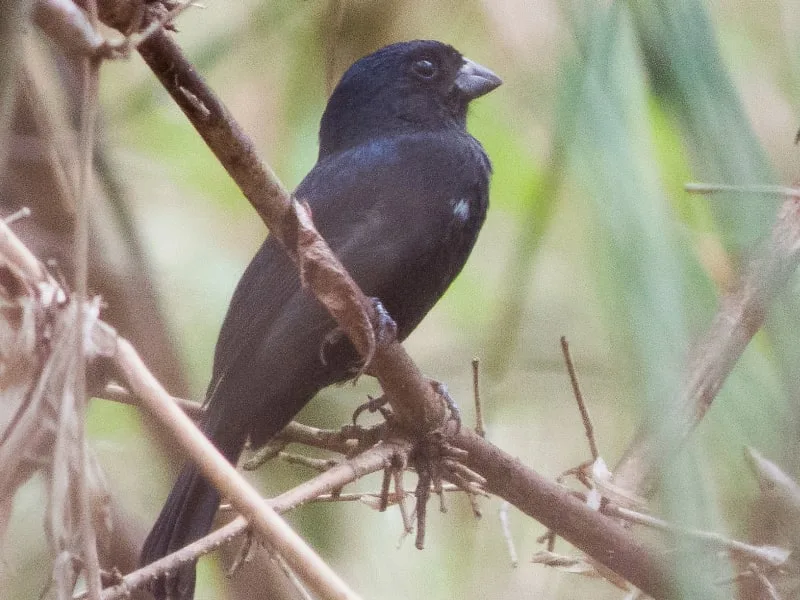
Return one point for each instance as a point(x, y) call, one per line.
point(607, 109)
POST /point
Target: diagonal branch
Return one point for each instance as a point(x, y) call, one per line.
point(370, 461)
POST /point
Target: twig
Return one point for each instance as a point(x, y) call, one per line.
point(89, 101)
point(22, 213)
point(264, 454)
point(242, 554)
point(400, 492)
point(766, 584)
point(714, 188)
point(291, 576)
point(506, 529)
point(160, 23)
point(117, 393)
point(576, 390)
point(480, 428)
point(770, 556)
point(548, 537)
point(368, 462)
point(317, 464)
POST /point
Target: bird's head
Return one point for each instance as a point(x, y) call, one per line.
point(421, 84)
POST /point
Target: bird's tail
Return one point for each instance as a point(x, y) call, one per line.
point(186, 517)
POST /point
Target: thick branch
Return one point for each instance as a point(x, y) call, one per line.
point(556, 508)
point(373, 460)
point(224, 476)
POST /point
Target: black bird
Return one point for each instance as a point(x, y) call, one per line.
point(400, 192)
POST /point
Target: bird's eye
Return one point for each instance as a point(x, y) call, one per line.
point(424, 69)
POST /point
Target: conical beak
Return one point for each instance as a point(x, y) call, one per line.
point(475, 80)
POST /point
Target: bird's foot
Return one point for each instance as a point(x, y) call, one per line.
point(382, 323)
point(373, 405)
point(455, 412)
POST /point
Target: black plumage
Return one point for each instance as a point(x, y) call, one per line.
point(399, 192)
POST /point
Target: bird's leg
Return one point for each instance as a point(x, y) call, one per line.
point(382, 323)
point(455, 412)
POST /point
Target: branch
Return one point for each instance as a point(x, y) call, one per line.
point(370, 461)
point(317, 575)
point(556, 508)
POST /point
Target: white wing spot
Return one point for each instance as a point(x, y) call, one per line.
point(461, 209)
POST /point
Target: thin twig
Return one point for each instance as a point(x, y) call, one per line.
point(90, 67)
point(317, 464)
point(765, 583)
point(160, 23)
point(714, 188)
point(400, 493)
point(117, 393)
point(576, 390)
point(770, 556)
point(506, 529)
point(369, 462)
point(291, 576)
point(22, 213)
point(480, 428)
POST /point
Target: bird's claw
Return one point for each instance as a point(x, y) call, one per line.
point(455, 412)
point(382, 323)
point(373, 405)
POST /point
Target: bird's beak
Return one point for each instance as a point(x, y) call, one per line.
point(474, 81)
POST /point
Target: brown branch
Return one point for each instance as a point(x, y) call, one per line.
point(224, 476)
point(369, 462)
point(556, 508)
point(740, 315)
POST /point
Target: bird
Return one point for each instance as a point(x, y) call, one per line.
point(400, 191)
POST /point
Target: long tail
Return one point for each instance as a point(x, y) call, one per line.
point(186, 516)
